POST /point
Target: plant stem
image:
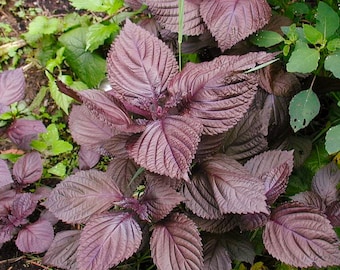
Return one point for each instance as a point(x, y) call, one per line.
point(180, 31)
point(6, 48)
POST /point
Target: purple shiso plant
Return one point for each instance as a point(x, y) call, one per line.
point(191, 168)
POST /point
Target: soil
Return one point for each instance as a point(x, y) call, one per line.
point(10, 257)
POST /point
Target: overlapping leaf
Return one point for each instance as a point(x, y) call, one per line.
point(168, 146)
point(219, 226)
point(179, 239)
point(62, 252)
point(23, 205)
point(28, 169)
point(12, 86)
point(6, 177)
point(108, 239)
point(83, 194)
point(215, 255)
point(140, 67)
point(166, 13)
point(231, 21)
point(302, 237)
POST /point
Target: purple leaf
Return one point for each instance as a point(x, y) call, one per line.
point(300, 236)
point(62, 252)
point(48, 216)
point(176, 242)
point(160, 199)
point(235, 190)
point(166, 13)
point(87, 159)
point(209, 145)
point(28, 169)
point(168, 146)
point(6, 177)
point(7, 231)
point(140, 67)
point(200, 197)
point(122, 171)
point(83, 194)
point(249, 222)
point(333, 213)
point(6, 200)
point(231, 21)
point(42, 192)
point(325, 183)
point(216, 92)
point(310, 198)
point(174, 183)
point(215, 254)
point(36, 237)
point(222, 225)
point(108, 239)
point(23, 205)
point(274, 168)
point(23, 131)
point(12, 86)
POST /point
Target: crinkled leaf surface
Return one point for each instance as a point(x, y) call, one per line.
point(215, 254)
point(6, 177)
point(333, 213)
point(209, 145)
point(310, 198)
point(234, 188)
point(219, 226)
point(28, 169)
point(274, 168)
point(108, 239)
point(140, 67)
point(216, 92)
point(249, 222)
point(325, 183)
point(160, 199)
point(300, 236)
point(12, 86)
point(176, 243)
point(87, 159)
point(62, 252)
point(167, 14)
point(231, 21)
point(83, 194)
point(167, 146)
point(35, 237)
point(23, 205)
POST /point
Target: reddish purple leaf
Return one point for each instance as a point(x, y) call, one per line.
point(235, 190)
point(325, 183)
point(160, 199)
point(219, 226)
point(87, 159)
point(7, 231)
point(23, 205)
point(172, 182)
point(274, 168)
point(122, 171)
point(83, 194)
point(310, 198)
point(108, 239)
point(249, 222)
point(62, 252)
point(23, 131)
point(209, 145)
point(166, 13)
point(140, 67)
point(176, 243)
point(168, 146)
point(12, 86)
point(6, 200)
point(215, 254)
point(333, 213)
point(231, 21)
point(6, 177)
point(36, 237)
point(217, 92)
point(300, 236)
point(48, 216)
point(28, 169)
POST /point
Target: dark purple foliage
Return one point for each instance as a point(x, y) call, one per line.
point(12, 87)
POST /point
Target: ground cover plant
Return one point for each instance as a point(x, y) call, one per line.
point(190, 154)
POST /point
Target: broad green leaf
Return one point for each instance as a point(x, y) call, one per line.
point(313, 35)
point(38, 145)
point(89, 67)
point(98, 33)
point(62, 100)
point(333, 140)
point(61, 146)
point(266, 38)
point(51, 135)
point(303, 60)
point(43, 25)
point(333, 44)
point(59, 169)
point(303, 108)
point(108, 6)
point(327, 20)
point(332, 63)
point(73, 20)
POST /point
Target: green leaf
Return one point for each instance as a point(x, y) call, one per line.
point(98, 33)
point(51, 135)
point(11, 157)
point(89, 67)
point(6, 116)
point(109, 6)
point(333, 140)
point(59, 169)
point(327, 20)
point(333, 44)
point(40, 26)
point(290, 32)
point(332, 63)
point(61, 146)
point(313, 35)
point(303, 60)
point(266, 39)
point(303, 108)
point(39, 145)
point(62, 100)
